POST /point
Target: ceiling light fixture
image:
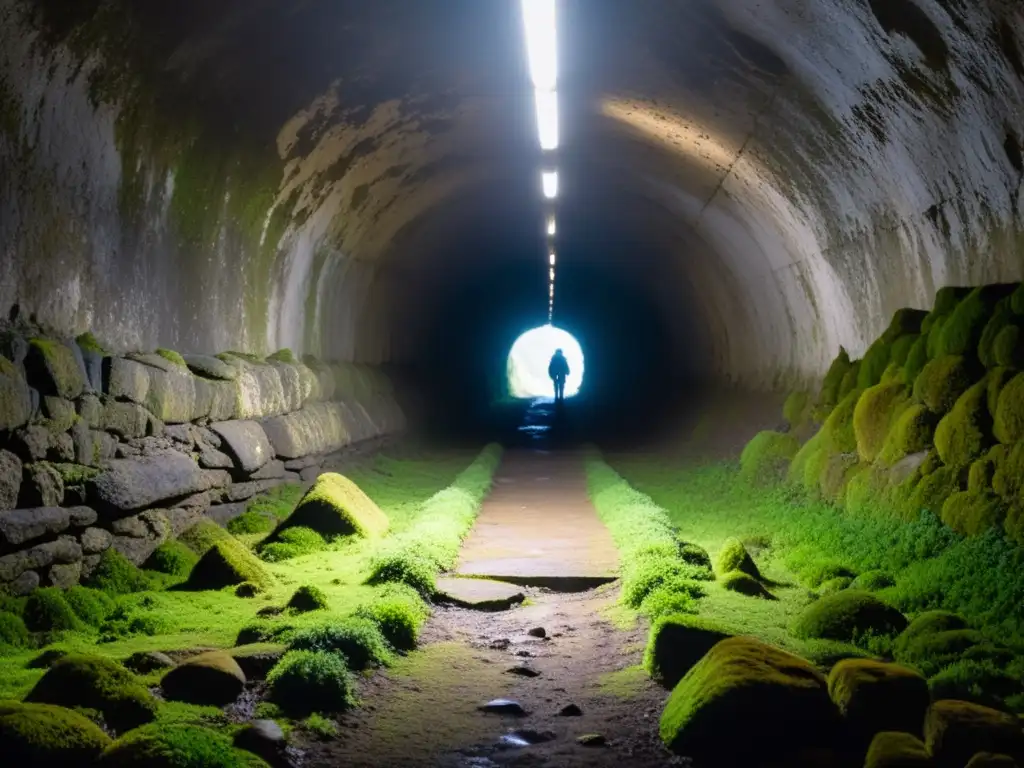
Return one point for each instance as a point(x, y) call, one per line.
point(541, 43)
point(549, 181)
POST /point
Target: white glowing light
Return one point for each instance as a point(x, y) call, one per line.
point(552, 272)
point(550, 183)
point(552, 229)
point(547, 119)
point(529, 358)
point(541, 42)
point(552, 258)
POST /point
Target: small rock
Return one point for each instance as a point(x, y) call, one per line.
point(10, 479)
point(525, 738)
point(525, 654)
point(264, 738)
point(270, 610)
point(523, 671)
point(538, 632)
point(591, 740)
point(24, 584)
point(65, 576)
point(570, 710)
point(500, 644)
point(504, 707)
point(145, 662)
point(31, 443)
point(211, 678)
point(42, 486)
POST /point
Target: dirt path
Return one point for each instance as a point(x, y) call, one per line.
point(424, 711)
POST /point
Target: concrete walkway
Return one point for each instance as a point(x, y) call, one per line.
point(537, 526)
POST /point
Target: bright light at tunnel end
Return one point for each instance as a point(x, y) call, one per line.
point(549, 181)
point(541, 43)
point(528, 363)
point(547, 119)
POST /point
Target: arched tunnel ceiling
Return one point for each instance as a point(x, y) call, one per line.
point(806, 167)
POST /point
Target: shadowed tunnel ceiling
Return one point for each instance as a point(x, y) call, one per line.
point(763, 181)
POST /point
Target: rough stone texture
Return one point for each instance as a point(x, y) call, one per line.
point(143, 535)
point(24, 584)
point(10, 479)
point(41, 486)
point(316, 429)
point(90, 410)
point(15, 402)
point(128, 420)
point(95, 541)
point(129, 484)
point(59, 412)
point(172, 393)
point(19, 526)
point(247, 442)
point(53, 369)
point(62, 448)
point(211, 458)
point(82, 517)
point(211, 367)
point(127, 380)
point(272, 470)
point(65, 576)
point(31, 443)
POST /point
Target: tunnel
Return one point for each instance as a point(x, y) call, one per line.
point(262, 267)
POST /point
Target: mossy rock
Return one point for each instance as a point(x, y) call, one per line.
point(745, 585)
point(875, 413)
point(1001, 316)
point(997, 379)
point(933, 651)
point(90, 605)
point(399, 612)
point(291, 543)
point(780, 699)
point(832, 383)
point(848, 615)
point(1008, 477)
point(982, 473)
point(1009, 417)
point(808, 461)
point(893, 749)
point(176, 746)
point(796, 409)
point(934, 338)
point(53, 369)
point(767, 456)
point(874, 696)
point(13, 632)
point(734, 557)
point(972, 513)
point(173, 357)
point(95, 682)
point(311, 681)
point(358, 640)
point(943, 381)
point(116, 575)
point(308, 598)
point(932, 490)
point(46, 610)
point(905, 321)
point(213, 679)
point(872, 581)
point(335, 506)
point(955, 731)
point(832, 586)
point(965, 432)
point(676, 643)
point(835, 476)
point(875, 361)
point(838, 428)
point(1008, 349)
point(228, 563)
point(694, 554)
point(930, 623)
point(849, 384)
point(172, 558)
point(901, 349)
point(283, 356)
point(982, 677)
point(46, 735)
point(962, 332)
point(990, 760)
point(1013, 525)
point(917, 359)
point(826, 570)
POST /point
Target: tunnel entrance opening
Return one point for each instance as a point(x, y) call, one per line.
point(527, 367)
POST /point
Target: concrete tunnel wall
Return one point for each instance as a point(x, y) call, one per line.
point(247, 176)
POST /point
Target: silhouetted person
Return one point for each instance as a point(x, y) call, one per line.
point(558, 370)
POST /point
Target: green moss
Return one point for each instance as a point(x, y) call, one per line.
point(251, 522)
point(335, 506)
point(934, 651)
point(311, 681)
point(308, 598)
point(932, 490)
point(838, 428)
point(849, 383)
point(176, 746)
point(173, 357)
point(872, 581)
point(894, 749)
point(917, 359)
point(676, 643)
point(943, 381)
point(965, 432)
point(980, 682)
point(94, 682)
point(973, 513)
point(808, 456)
point(934, 342)
point(874, 416)
point(291, 543)
point(743, 584)
point(901, 349)
point(409, 568)
point(1013, 526)
point(278, 503)
point(173, 558)
point(399, 613)
point(90, 605)
point(832, 586)
point(1007, 464)
point(360, 641)
point(13, 632)
point(228, 563)
point(821, 571)
point(695, 555)
point(912, 432)
point(284, 356)
point(839, 470)
point(962, 331)
point(88, 343)
point(48, 611)
point(734, 557)
point(833, 381)
point(874, 697)
point(796, 408)
point(847, 616)
point(929, 623)
point(115, 575)
point(766, 457)
point(1002, 315)
point(905, 321)
point(45, 735)
point(1009, 417)
point(741, 680)
point(981, 474)
point(997, 378)
point(875, 361)
point(53, 369)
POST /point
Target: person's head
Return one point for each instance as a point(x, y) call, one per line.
point(558, 353)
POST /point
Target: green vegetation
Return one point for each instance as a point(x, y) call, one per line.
point(13, 632)
point(173, 558)
point(963, 434)
point(766, 457)
point(173, 357)
point(283, 356)
point(734, 557)
point(311, 681)
point(115, 575)
point(88, 343)
point(796, 410)
point(1009, 417)
point(291, 543)
point(320, 726)
point(399, 613)
point(47, 611)
point(360, 641)
point(676, 643)
point(942, 381)
point(874, 415)
point(40, 734)
point(833, 380)
point(335, 506)
point(892, 749)
point(848, 616)
point(176, 746)
point(308, 598)
point(875, 697)
point(89, 605)
point(745, 585)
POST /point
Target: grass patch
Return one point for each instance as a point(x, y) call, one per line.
point(311, 681)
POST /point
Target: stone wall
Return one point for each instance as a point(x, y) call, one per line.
point(101, 451)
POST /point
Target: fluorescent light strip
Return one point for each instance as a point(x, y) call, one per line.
point(552, 229)
point(547, 119)
point(541, 42)
point(549, 180)
point(552, 259)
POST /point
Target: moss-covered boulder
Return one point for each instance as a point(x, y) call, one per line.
point(893, 749)
point(46, 610)
point(990, 760)
point(13, 632)
point(53, 369)
point(875, 361)
point(932, 652)
point(676, 643)
point(335, 506)
point(212, 678)
point(847, 616)
point(807, 464)
point(849, 385)
point(917, 359)
point(46, 735)
point(983, 472)
point(829, 396)
point(942, 381)
point(779, 700)
point(176, 746)
point(912, 432)
point(838, 428)
point(311, 681)
point(955, 731)
point(695, 555)
point(797, 409)
point(1013, 525)
point(734, 557)
point(873, 580)
point(972, 513)
point(172, 558)
point(875, 697)
point(1008, 424)
point(90, 605)
point(1007, 349)
point(906, 321)
point(930, 623)
point(962, 331)
point(743, 584)
point(116, 575)
point(838, 471)
point(932, 490)
point(832, 586)
point(308, 598)
point(95, 682)
point(1002, 315)
point(228, 563)
point(965, 432)
point(767, 456)
point(875, 414)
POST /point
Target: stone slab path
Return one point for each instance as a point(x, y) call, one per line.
point(537, 526)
